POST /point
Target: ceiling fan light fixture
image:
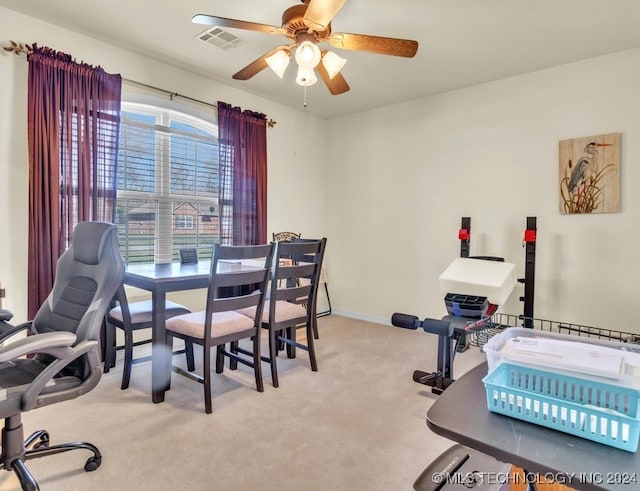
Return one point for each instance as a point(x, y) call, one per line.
point(306, 25)
point(307, 55)
point(333, 63)
point(278, 62)
point(306, 77)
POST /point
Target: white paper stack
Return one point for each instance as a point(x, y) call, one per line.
point(571, 355)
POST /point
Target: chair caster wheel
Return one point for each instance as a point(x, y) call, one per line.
point(92, 463)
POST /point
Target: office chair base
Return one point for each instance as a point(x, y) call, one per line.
point(15, 451)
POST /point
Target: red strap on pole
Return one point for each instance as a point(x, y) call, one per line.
point(529, 236)
point(463, 234)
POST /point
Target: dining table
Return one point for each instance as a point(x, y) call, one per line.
point(160, 279)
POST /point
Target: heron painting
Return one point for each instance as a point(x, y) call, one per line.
point(590, 174)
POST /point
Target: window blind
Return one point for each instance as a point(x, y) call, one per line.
point(168, 185)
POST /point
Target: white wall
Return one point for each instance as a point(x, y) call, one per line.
point(391, 189)
point(295, 145)
point(401, 177)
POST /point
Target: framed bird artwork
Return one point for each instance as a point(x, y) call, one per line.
point(590, 174)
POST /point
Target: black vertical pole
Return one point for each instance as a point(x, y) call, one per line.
point(464, 234)
point(529, 271)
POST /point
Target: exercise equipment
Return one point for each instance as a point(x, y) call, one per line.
point(474, 287)
point(448, 333)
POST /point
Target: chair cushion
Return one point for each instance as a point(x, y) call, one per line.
point(284, 311)
point(141, 311)
point(223, 324)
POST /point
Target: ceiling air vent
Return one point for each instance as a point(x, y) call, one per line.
point(222, 39)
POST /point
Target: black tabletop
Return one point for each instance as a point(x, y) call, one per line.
point(169, 270)
point(460, 413)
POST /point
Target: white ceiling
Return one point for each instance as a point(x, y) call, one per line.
point(462, 42)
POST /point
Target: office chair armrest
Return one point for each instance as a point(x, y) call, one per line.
point(38, 343)
point(32, 397)
point(7, 330)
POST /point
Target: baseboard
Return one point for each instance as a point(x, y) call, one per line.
point(363, 317)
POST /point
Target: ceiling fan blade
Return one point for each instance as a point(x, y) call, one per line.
point(212, 20)
point(256, 66)
point(336, 85)
point(375, 44)
point(320, 13)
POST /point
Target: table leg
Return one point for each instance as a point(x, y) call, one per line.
point(160, 359)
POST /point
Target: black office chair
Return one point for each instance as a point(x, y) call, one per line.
point(64, 341)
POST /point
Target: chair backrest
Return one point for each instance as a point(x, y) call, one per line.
point(297, 267)
point(88, 275)
point(188, 255)
point(243, 272)
point(285, 236)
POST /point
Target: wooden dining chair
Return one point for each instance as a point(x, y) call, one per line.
point(220, 324)
point(285, 236)
point(188, 255)
point(322, 280)
point(293, 237)
point(130, 317)
point(292, 301)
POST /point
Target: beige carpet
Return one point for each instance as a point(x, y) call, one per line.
point(356, 424)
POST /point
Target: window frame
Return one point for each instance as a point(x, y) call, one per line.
point(166, 243)
point(184, 222)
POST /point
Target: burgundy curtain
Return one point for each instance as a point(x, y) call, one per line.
point(73, 125)
point(242, 143)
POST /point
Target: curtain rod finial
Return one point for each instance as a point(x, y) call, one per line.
point(17, 48)
point(271, 123)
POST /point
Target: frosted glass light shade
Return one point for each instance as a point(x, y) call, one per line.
point(333, 63)
point(278, 62)
point(306, 77)
point(307, 55)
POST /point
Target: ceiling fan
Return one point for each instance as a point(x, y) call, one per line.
point(307, 25)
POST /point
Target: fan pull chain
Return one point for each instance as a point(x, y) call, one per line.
point(305, 96)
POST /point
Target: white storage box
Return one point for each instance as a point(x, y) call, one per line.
point(492, 279)
point(615, 361)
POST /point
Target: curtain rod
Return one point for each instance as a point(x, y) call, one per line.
point(21, 48)
point(270, 122)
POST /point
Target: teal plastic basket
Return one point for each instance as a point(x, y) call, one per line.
point(593, 409)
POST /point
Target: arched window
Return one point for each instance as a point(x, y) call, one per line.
point(168, 184)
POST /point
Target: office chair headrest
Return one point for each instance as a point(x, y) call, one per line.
point(88, 240)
